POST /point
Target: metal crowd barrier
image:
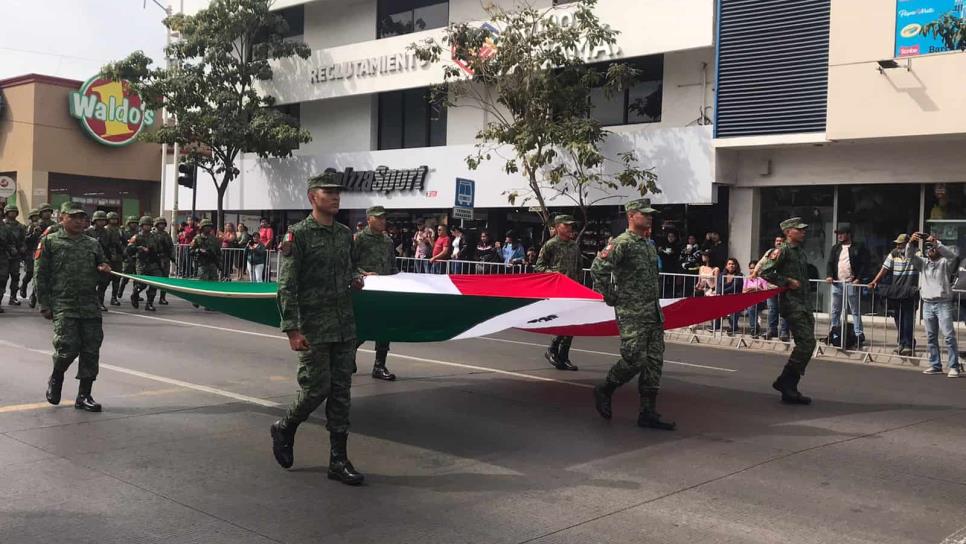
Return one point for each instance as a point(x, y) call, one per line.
point(234, 265)
point(423, 266)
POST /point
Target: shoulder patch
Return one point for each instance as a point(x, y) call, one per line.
point(39, 250)
point(604, 253)
point(286, 246)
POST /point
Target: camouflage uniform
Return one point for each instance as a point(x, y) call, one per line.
point(314, 298)
point(373, 252)
point(562, 256)
point(67, 280)
point(206, 250)
point(780, 265)
point(8, 247)
point(147, 248)
point(30, 242)
point(626, 274)
point(129, 231)
point(18, 233)
point(116, 256)
point(44, 223)
point(167, 253)
point(102, 235)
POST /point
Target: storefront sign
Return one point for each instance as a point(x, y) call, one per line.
point(7, 186)
point(110, 111)
point(371, 67)
point(382, 179)
point(911, 18)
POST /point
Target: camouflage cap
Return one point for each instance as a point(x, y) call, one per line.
point(325, 180)
point(34, 212)
point(206, 223)
point(113, 215)
point(11, 208)
point(146, 220)
point(564, 219)
point(98, 215)
point(793, 223)
point(376, 211)
point(642, 205)
point(901, 239)
point(45, 207)
point(158, 220)
point(71, 208)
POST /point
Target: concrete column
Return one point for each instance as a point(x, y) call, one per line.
point(743, 219)
point(32, 190)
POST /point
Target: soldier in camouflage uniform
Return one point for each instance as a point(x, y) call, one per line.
point(117, 254)
point(787, 266)
point(8, 247)
point(167, 253)
point(130, 230)
point(18, 233)
point(373, 254)
point(98, 231)
point(147, 248)
point(625, 272)
point(314, 297)
point(69, 266)
point(31, 240)
point(206, 251)
point(561, 254)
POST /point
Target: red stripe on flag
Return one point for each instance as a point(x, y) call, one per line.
point(534, 286)
point(693, 310)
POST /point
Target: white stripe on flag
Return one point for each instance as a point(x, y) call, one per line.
point(541, 314)
point(405, 282)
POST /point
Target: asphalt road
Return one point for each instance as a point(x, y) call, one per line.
point(479, 441)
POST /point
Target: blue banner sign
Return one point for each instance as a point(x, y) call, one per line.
point(911, 18)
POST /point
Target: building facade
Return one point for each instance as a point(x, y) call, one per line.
point(53, 152)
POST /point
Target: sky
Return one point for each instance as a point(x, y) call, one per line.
point(74, 38)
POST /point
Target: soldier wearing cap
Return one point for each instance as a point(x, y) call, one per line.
point(372, 255)
point(98, 231)
point(118, 243)
point(206, 251)
point(167, 253)
point(30, 241)
point(69, 266)
point(787, 266)
point(130, 230)
point(561, 254)
point(626, 273)
point(314, 297)
point(15, 255)
point(146, 246)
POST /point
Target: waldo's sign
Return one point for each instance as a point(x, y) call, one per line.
point(110, 111)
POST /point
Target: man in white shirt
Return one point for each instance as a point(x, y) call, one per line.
point(846, 268)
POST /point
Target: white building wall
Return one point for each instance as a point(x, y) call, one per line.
point(338, 125)
point(330, 23)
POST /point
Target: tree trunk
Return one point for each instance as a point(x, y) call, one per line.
point(222, 189)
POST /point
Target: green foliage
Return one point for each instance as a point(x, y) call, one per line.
point(211, 89)
point(530, 78)
point(951, 29)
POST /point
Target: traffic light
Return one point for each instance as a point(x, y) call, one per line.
point(186, 175)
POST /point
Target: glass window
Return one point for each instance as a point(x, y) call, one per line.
point(644, 102)
point(398, 17)
point(640, 103)
point(815, 205)
point(409, 119)
point(390, 121)
point(945, 211)
point(295, 17)
point(416, 125)
point(395, 24)
point(434, 16)
point(607, 110)
point(877, 214)
point(437, 124)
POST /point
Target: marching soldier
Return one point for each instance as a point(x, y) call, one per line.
point(314, 297)
point(561, 254)
point(69, 266)
point(206, 250)
point(18, 233)
point(625, 272)
point(372, 255)
point(116, 257)
point(130, 230)
point(787, 266)
point(147, 248)
point(167, 253)
point(98, 231)
point(8, 247)
point(31, 240)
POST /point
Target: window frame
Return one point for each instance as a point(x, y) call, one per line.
point(626, 91)
point(383, 10)
point(399, 98)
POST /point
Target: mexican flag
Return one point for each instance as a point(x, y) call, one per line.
point(431, 308)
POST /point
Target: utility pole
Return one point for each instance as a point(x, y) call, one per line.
point(165, 183)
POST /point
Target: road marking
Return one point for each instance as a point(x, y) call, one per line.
point(603, 353)
point(202, 325)
point(162, 379)
point(959, 537)
point(41, 405)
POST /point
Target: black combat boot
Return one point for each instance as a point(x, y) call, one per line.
point(379, 370)
point(283, 442)
point(84, 399)
point(23, 291)
point(602, 399)
point(135, 299)
point(787, 385)
point(13, 298)
point(54, 385)
point(150, 305)
point(115, 301)
point(162, 300)
point(101, 307)
point(648, 417)
point(339, 466)
point(563, 358)
point(33, 300)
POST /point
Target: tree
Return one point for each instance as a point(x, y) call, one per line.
point(525, 70)
point(951, 29)
point(211, 87)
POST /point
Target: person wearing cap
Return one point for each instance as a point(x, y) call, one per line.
point(31, 240)
point(69, 269)
point(167, 253)
point(937, 265)
point(130, 230)
point(147, 248)
point(901, 293)
point(625, 273)
point(373, 255)
point(314, 298)
point(787, 266)
point(98, 231)
point(206, 252)
point(847, 267)
point(562, 255)
point(116, 257)
point(18, 233)
point(46, 212)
